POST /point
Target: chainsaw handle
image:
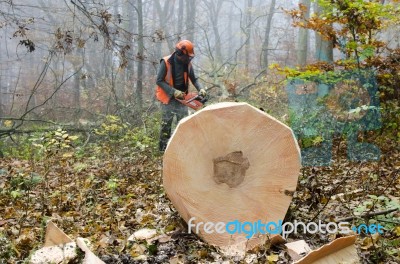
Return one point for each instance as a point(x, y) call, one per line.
point(202, 99)
point(199, 98)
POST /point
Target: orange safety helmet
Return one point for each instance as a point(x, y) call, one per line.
point(186, 47)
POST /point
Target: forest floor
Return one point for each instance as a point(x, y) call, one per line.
point(107, 192)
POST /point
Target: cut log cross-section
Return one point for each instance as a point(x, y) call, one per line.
point(227, 162)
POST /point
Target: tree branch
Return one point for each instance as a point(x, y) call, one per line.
point(367, 215)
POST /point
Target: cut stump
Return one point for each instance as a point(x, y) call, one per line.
point(227, 162)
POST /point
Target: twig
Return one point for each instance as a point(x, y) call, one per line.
point(387, 221)
point(87, 139)
point(367, 215)
point(30, 131)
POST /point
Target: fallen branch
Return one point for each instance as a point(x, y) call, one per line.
point(30, 131)
point(367, 215)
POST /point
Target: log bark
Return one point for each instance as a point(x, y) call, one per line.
point(341, 250)
point(227, 162)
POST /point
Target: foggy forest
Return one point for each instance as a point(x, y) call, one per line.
point(80, 128)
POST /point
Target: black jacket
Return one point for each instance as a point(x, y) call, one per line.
point(178, 70)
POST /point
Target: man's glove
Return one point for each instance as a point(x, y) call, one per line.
point(179, 95)
point(202, 92)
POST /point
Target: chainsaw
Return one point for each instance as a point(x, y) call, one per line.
point(193, 100)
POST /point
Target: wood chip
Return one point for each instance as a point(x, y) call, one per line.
point(297, 249)
point(55, 236)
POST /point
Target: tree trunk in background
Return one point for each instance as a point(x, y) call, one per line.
point(324, 52)
point(1, 100)
point(164, 14)
point(91, 78)
point(179, 22)
point(302, 42)
point(139, 82)
point(132, 27)
point(31, 95)
point(2, 95)
point(266, 36)
point(161, 34)
point(77, 82)
point(213, 10)
point(106, 64)
point(230, 30)
point(249, 6)
point(119, 76)
point(190, 19)
point(392, 34)
point(77, 92)
point(324, 48)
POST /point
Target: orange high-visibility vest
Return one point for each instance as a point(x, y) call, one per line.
point(161, 95)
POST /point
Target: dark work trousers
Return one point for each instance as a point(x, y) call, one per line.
point(173, 108)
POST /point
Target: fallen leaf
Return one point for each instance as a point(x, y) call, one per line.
point(272, 258)
point(163, 238)
point(55, 254)
point(143, 234)
point(176, 260)
point(366, 243)
point(397, 231)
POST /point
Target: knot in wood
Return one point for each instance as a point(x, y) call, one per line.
point(231, 169)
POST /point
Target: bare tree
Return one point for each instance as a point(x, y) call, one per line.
point(140, 56)
point(324, 52)
point(249, 22)
point(324, 47)
point(164, 13)
point(190, 19)
point(132, 27)
point(2, 92)
point(302, 41)
point(179, 21)
point(2, 95)
point(230, 29)
point(265, 46)
point(213, 9)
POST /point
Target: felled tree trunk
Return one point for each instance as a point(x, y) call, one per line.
point(227, 162)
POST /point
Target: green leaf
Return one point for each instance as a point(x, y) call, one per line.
point(152, 249)
point(73, 138)
point(352, 45)
point(16, 194)
point(273, 258)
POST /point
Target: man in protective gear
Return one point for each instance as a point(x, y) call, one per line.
point(173, 77)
